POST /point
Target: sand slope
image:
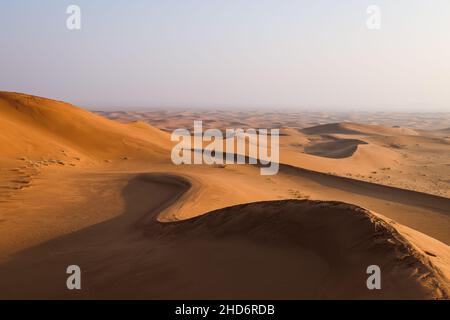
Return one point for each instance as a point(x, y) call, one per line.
point(337, 149)
point(355, 128)
point(283, 249)
point(36, 127)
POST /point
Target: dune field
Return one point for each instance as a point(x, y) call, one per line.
point(99, 190)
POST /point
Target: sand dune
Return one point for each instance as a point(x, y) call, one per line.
point(36, 127)
point(77, 188)
point(359, 162)
point(355, 128)
point(337, 149)
point(410, 160)
point(282, 249)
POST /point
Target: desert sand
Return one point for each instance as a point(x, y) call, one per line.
point(79, 188)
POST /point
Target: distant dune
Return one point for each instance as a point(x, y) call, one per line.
point(354, 128)
point(332, 128)
point(337, 149)
point(170, 118)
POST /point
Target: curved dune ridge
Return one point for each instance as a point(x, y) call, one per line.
point(341, 140)
point(321, 249)
point(341, 147)
point(117, 219)
point(336, 149)
point(288, 249)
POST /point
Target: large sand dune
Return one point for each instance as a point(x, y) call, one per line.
point(36, 127)
point(280, 249)
point(76, 188)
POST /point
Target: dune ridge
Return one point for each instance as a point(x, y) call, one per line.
point(355, 128)
point(337, 148)
point(78, 188)
point(34, 127)
point(347, 237)
point(287, 249)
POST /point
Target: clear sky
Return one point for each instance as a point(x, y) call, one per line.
point(230, 53)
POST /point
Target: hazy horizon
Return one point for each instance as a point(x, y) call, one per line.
point(304, 55)
point(283, 109)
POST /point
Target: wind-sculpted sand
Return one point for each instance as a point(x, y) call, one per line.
point(336, 148)
point(76, 188)
point(289, 249)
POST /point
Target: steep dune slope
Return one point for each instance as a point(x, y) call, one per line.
point(332, 244)
point(37, 127)
point(277, 249)
point(337, 149)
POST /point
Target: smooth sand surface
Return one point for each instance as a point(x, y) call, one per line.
point(289, 249)
point(337, 148)
point(76, 188)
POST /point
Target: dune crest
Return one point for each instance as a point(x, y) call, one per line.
point(288, 249)
point(343, 240)
point(337, 149)
point(35, 127)
point(356, 128)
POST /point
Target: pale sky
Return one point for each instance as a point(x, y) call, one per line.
point(316, 54)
